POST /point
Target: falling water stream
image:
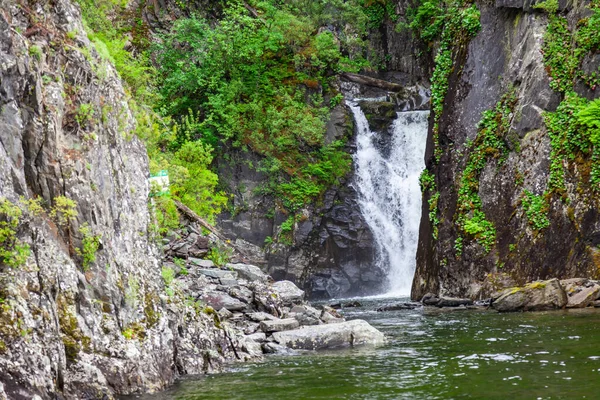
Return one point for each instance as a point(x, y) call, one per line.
point(387, 180)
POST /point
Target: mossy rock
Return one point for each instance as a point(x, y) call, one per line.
point(380, 114)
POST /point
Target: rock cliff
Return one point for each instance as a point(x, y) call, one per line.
point(510, 192)
point(86, 314)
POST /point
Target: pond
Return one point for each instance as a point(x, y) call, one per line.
point(431, 354)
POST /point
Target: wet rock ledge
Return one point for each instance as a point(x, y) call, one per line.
point(552, 294)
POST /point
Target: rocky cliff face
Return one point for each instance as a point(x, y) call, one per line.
point(332, 253)
point(76, 322)
point(540, 231)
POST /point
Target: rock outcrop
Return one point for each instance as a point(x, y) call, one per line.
point(504, 64)
point(536, 296)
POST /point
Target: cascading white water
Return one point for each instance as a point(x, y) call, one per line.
point(389, 194)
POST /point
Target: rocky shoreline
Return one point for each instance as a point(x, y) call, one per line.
point(541, 295)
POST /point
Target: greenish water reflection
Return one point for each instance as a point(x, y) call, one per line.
point(432, 355)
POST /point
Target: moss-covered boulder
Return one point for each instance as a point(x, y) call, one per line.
point(535, 296)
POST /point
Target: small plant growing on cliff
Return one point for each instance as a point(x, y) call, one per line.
point(536, 209)
point(85, 114)
point(35, 52)
point(219, 254)
point(64, 210)
point(89, 246)
point(13, 252)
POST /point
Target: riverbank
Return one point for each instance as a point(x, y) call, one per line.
point(431, 353)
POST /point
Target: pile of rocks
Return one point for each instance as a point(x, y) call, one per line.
point(272, 316)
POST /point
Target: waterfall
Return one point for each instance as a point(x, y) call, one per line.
point(387, 182)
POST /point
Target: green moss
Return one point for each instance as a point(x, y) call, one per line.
point(13, 252)
point(536, 285)
point(488, 145)
point(72, 337)
point(150, 312)
point(536, 209)
point(453, 23)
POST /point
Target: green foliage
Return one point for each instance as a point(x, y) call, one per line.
point(426, 180)
point(573, 128)
point(489, 144)
point(109, 36)
point(258, 83)
point(550, 6)
point(536, 209)
point(13, 252)
point(166, 214)
point(377, 11)
point(458, 246)
point(219, 254)
point(168, 275)
point(89, 245)
point(85, 114)
point(433, 213)
point(427, 183)
point(453, 23)
point(64, 210)
point(35, 52)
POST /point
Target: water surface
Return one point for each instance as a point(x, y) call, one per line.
point(431, 355)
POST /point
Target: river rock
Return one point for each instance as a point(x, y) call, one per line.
point(278, 325)
point(218, 273)
point(305, 315)
point(399, 306)
point(581, 292)
point(261, 316)
point(219, 300)
point(249, 272)
point(535, 296)
point(351, 333)
point(288, 292)
point(453, 302)
point(201, 263)
point(430, 299)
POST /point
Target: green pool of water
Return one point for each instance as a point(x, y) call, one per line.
point(431, 355)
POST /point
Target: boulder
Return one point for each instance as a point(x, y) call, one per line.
point(430, 299)
point(249, 272)
point(218, 273)
point(288, 292)
point(260, 316)
point(258, 337)
point(305, 315)
point(201, 263)
point(535, 296)
point(581, 292)
point(351, 333)
point(330, 316)
point(219, 300)
point(241, 293)
point(453, 302)
point(278, 325)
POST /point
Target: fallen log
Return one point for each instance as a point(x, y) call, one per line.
point(195, 217)
point(372, 82)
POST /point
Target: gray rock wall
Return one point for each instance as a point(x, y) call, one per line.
point(505, 55)
point(66, 129)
